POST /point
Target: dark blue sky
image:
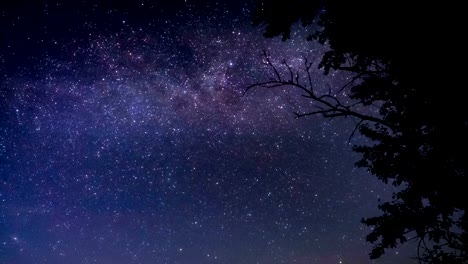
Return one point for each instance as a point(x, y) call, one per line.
point(125, 138)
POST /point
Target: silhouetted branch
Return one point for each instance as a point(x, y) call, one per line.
point(289, 69)
point(307, 69)
point(356, 127)
point(329, 105)
point(357, 76)
point(419, 250)
point(267, 59)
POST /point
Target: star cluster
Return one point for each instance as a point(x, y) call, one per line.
point(129, 140)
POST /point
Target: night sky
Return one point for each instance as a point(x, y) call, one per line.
point(125, 138)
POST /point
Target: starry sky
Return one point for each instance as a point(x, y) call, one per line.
point(125, 137)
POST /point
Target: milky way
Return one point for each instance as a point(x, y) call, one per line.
point(135, 144)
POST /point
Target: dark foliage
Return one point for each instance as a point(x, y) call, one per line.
point(405, 60)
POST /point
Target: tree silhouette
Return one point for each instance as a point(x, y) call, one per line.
point(402, 60)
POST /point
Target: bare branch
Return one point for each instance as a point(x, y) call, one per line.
point(354, 130)
point(329, 106)
point(357, 76)
point(267, 58)
point(338, 103)
point(308, 65)
point(323, 112)
point(289, 69)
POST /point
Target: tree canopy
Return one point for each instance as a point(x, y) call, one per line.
point(404, 60)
